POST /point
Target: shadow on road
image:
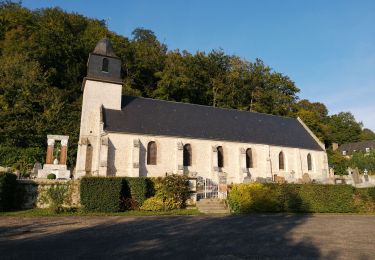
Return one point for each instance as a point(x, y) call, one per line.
point(199, 237)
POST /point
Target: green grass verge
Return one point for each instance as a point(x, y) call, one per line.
point(48, 213)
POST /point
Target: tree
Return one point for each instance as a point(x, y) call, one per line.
point(367, 134)
point(363, 160)
point(315, 116)
point(343, 128)
point(338, 162)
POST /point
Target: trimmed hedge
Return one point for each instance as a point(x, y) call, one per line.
point(111, 194)
point(8, 184)
point(137, 188)
point(101, 193)
point(256, 197)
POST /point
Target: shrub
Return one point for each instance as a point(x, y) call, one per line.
point(117, 193)
point(246, 198)
point(153, 204)
point(113, 194)
point(158, 204)
point(51, 176)
point(56, 196)
point(138, 188)
point(22, 159)
point(101, 193)
point(8, 184)
point(253, 197)
point(174, 187)
point(364, 199)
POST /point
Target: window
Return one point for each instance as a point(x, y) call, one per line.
point(367, 150)
point(88, 162)
point(151, 153)
point(309, 162)
point(249, 158)
point(281, 161)
point(187, 155)
point(220, 157)
point(105, 65)
point(343, 152)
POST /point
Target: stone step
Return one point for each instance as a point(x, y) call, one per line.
point(212, 206)
point(205, 201)
point(218, 211)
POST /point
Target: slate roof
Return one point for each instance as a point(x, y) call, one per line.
point(157, 117)
point(357, 146)
point(104, 47)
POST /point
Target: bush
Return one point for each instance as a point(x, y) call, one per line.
point(247, 198)
point(56, 196)
point(137, 188)
point(158, 204)
point(253, 197)
point(8, 184)
point(153, 204)
point(174, 187)
point(113, 194)
point(22, 159)
point(101, 194)
point(51, 176)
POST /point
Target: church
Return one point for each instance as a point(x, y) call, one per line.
point(134, 136)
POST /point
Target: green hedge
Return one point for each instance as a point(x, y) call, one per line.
point(101, 193)
point(111, 194)
point(256, 197)
point(8, 184)
point(137, 188)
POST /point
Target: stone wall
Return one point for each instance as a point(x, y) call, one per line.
point(33, 193)
point(126, 156)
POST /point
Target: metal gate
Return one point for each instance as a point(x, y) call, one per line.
point(207, 188)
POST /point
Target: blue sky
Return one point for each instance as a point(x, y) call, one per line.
point(326, 47)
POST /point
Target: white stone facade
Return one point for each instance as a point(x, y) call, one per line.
point(127, 156)
point(124, 154)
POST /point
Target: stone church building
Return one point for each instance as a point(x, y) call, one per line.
point(134, 136)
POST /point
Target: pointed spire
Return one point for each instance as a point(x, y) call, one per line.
point(104, 47)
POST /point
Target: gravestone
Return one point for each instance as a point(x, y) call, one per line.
point(355, 176)
point(306, 178)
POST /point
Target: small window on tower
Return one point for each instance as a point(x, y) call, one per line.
point(105, 65)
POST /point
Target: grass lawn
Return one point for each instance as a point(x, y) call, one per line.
point(48, 213)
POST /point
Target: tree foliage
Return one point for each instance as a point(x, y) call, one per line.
point(43, 56)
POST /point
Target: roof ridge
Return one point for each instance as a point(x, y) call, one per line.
point(211, 107)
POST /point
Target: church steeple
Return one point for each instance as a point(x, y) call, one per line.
point(103, 64)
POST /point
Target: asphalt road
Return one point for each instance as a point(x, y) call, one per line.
point(189, 237)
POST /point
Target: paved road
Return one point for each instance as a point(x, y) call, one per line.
point(189, 237)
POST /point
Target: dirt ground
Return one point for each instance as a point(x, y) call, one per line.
point(189, 237)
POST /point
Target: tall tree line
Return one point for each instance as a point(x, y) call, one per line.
point(43, 56)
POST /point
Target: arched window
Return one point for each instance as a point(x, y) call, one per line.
point(220, 157)
point(187, 155)
point(105, 65)
point(281, 161)
point(309, 162)
point(249, 158)
point(151, 153)
point(88, 162)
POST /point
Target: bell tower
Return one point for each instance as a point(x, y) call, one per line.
point(102, 87)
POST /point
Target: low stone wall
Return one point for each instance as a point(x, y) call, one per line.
point(33, 193)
